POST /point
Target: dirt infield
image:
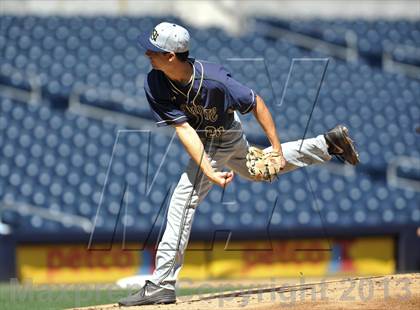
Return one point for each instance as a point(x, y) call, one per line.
point(379, 292)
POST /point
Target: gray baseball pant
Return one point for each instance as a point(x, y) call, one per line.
point(230, 151)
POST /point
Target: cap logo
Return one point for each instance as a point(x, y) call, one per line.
point(154, 35)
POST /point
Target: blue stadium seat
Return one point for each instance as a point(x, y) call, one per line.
point(55, 159)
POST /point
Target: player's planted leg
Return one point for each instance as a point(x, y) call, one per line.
point(149, 294)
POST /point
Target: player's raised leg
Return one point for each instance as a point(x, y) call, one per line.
point(341, 145)
point(318, 150)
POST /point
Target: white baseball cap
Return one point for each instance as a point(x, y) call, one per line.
point(166, 37)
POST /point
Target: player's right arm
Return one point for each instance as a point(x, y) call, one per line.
point(195, 149)
point(167, 113)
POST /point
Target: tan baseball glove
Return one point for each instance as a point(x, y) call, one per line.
point(263, 166)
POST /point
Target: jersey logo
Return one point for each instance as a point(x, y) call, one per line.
point(212, 132)
point(197, 110)
point(154, 35)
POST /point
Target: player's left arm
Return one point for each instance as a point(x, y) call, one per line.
point(264, 118)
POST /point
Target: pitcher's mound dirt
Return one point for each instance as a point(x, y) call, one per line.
point(381, 292)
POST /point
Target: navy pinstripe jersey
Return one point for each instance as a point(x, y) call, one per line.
point(220, 95)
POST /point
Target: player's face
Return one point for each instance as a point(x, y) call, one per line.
point(159, 61)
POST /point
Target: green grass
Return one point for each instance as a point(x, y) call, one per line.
point(34, 297)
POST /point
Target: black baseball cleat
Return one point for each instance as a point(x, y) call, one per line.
point(149, 294)
point(341, 145)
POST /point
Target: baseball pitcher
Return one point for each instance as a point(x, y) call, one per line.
point(200, 100)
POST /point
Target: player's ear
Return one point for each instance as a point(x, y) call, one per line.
point(172, 56)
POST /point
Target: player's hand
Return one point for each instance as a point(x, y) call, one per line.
point(221, 178)
point(282, 162)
